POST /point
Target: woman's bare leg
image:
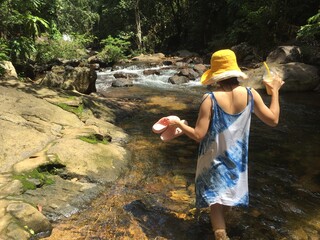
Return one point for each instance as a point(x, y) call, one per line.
point(217, 217)
point(218, 221)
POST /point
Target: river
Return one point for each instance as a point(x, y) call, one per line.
point(154, 199)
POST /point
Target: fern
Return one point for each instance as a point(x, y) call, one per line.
point(311, 29)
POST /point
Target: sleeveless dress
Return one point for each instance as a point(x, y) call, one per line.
point(222, 167)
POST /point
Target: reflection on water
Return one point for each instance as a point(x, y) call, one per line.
point(155, 198)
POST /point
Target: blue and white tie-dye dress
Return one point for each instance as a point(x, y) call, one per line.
point(222, 168)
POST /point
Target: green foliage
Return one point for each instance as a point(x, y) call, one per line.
point(4, 51)
point(20, 25)
point(114, 49)
point(29, 5)
point(84, 40)
point(76, 16)
point(253, 23)
point(19, 19)
point(128, 26)
point(33, 25)
point(93, 139)
point(21, 48)
point(54, 33)
point(28, 179)
point(76, 110)
point(312, 29)
point(53, 48)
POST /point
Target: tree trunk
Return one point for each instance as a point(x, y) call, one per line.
point(138, 25)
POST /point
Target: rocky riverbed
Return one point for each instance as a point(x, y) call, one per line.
point(57, 149)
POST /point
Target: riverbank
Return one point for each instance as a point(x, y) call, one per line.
point(57, 149)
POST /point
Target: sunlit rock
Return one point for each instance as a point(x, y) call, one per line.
point(9, 70)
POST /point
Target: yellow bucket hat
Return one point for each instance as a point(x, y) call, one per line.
point(223, 66)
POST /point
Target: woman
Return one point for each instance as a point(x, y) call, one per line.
point(222, 128)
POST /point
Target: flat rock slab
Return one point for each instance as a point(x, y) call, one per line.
point(36, 133)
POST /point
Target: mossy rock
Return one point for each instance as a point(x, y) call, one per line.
point(34, 179)
point(96, 138)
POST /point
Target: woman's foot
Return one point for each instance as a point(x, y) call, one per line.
point(221, 234)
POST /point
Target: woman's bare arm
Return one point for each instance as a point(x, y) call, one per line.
point(202, 123)
point(269, 115)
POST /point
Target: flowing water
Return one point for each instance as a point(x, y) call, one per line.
point(154, 199)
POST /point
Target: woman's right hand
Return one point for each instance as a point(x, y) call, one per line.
point(275, 84)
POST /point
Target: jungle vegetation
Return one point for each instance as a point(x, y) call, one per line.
point(41, 30)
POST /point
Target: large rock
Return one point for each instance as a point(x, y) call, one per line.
point(285, 54)
point(155, 58)
point(9, 70)
point(28, 124)
point(189, 73)
point(297, 76)
point(36, 134)
point(82, 79)
point(101, 163)
point(9, 226)
point(246, 54)
point(32, 220)
point(54, 78)
point(20, 220)
point(176, 79)
point(122, 82)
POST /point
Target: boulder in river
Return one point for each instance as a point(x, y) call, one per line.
point(82, 79)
